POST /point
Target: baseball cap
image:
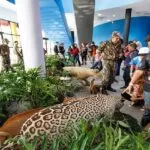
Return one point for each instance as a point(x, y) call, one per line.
point(144, 51)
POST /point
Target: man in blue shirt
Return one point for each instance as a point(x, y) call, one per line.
point(136, 61)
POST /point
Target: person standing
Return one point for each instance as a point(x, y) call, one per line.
point(132, 53)
point(56, 48)
point(109, 51)
point(75, 53)
point(62, 50)
point(120, 58)
point(18, 52)
point(84, 51)
point(93, 48)
point(5, 55)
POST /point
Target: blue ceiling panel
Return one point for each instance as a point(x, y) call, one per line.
point(54, 22)
point(12, 1)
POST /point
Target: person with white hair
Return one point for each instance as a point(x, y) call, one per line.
point(139, 45)
point(135, 62)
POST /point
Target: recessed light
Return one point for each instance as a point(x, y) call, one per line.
point(99, 15)
point(114, 15)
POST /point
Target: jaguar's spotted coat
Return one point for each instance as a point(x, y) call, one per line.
point(55, 121)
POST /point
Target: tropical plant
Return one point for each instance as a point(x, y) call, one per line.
point(54, 65)
point(98, 135)
point(22, 86)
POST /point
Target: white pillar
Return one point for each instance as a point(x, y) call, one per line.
point(28, 13)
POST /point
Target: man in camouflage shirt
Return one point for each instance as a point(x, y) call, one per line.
point(5, 55)
point(111, 51)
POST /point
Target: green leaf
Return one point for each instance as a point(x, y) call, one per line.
point(122, 141)
point(84, 142)
point(121, 123)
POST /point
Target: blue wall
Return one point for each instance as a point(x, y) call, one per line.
point(140, 28)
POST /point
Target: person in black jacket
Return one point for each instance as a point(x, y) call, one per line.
point(62, 49)
point(56, 48)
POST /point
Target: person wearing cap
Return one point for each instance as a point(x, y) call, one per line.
point(135, 62)
point(143, 70)
point(62, 50)
point(5, 55)
point(110, 51)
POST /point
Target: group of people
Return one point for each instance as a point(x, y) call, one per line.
point(59, 49)
point(5, 61)
point(78, 54)
point(108, 57)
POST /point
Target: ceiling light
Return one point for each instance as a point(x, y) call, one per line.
point(108, 20)
point(114, 15)
point(99, 15)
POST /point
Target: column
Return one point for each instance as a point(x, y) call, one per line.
point(28, 13)
point(84, 17)
point(127, 25)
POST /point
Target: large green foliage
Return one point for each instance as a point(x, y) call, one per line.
point(99, 135)
point(54, 65)
point(29, 87)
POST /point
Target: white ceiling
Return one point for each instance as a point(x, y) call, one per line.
point(8, 11)
point(141, 8)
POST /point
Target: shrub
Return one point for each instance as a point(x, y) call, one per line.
point(99, 135)
point(22, 86)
